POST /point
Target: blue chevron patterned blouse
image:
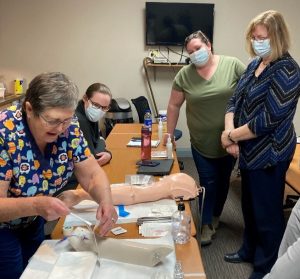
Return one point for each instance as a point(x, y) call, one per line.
point(267, 103)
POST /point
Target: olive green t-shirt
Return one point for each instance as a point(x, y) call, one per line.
point(206, 101)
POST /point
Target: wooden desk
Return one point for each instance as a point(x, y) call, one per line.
point(292, 177)
point(122, 163)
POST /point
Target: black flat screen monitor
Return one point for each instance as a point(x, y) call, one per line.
point(170, 23)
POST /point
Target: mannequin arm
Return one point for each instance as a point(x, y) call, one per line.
point(169, 187)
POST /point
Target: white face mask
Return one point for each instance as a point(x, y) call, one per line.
point(94, 114)
point(262, 48)
point(200, 57)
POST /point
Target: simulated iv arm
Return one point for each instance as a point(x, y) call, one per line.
point(171, 186)
point(119, 249)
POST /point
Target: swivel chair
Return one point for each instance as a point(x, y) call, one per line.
point(142, 105)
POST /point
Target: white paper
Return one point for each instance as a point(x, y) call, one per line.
point(40, 268)
point(87, 210)
point(74, 265)
point(138, 143)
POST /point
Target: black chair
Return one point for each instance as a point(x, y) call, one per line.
point(142, 105)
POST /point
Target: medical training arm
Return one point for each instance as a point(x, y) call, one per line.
point(170, 186)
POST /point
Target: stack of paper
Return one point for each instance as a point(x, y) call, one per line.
point(136, 142)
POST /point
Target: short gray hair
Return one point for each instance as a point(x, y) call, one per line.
point(51, 90)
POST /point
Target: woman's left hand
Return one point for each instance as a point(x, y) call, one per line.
point(103, 158)
point(225, 139)
point(233, 150)
point(108, 216)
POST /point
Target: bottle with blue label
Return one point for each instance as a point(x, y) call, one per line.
point(148, 120)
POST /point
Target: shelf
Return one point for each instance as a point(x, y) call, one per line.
point(175, 65)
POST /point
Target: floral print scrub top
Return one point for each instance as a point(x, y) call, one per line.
point(29, 171)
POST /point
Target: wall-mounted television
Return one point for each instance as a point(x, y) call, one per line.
point(170, 23)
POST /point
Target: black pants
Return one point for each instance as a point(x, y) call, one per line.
point(262, 206)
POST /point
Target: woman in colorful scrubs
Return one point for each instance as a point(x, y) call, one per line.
point(41, 145)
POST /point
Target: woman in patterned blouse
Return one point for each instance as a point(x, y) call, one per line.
point(40, 147)
point(259, 130)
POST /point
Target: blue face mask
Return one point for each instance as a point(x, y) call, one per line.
point(94, 114)
point(262, 48)
point(200, 57)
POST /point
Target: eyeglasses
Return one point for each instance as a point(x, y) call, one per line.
point(55, 122)
point(259, 39)
point(97, 106)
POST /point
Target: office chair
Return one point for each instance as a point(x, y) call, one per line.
point(142, 105)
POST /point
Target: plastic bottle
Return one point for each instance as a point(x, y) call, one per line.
point(160, 129)
point(146, 143)
point(18, 86)
point(181, 224)
point(169, 146)
point(178, 272)
point(148, 119)
point(163, 115)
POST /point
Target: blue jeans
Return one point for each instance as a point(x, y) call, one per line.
point(214, 176)
point(17, 246)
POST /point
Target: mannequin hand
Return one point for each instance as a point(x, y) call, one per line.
point(73, 197)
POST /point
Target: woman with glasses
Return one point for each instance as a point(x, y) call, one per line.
point(90, 110)
point(259, 128)
point(206, 85)
point(41, 145)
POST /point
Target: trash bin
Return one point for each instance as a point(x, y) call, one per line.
point(119, 112)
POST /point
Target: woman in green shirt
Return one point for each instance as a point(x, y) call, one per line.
point(206, 85)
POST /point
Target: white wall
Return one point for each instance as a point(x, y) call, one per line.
point(103, 40)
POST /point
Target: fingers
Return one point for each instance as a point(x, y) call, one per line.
point(108, 217)
point(103, 158)
point(233, 150)
point(51, 208)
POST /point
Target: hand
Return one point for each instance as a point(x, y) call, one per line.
point(103, 158)
point(225, 139)
point(50, 208)
point(165, 139)
point(233, 150)
point(108, 216)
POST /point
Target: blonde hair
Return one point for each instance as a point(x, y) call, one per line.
point(278, 33)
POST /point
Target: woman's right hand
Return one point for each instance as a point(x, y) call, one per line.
point(50, 208)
